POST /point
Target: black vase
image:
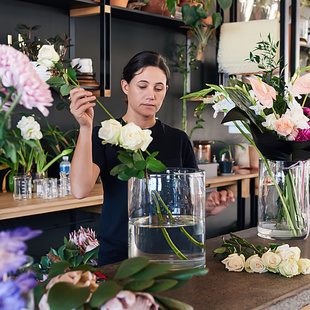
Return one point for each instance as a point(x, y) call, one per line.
point(226, 167)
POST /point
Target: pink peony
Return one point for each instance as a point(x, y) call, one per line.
point(302, 84)
point(264, 93)
point(17, 71)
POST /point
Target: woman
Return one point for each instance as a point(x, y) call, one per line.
point(145, 83)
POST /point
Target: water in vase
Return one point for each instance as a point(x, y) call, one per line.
point(146, 238)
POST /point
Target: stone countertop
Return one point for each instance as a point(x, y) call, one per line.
point(221, 289)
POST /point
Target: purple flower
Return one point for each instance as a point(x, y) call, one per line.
point(26, 281)
point(24, 233)
point(306, 111)
point(10, 296)
point(13, 247)
point(303, 135)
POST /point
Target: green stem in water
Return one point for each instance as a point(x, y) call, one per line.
point(290, 222)
point(165, 233)
point(183, 230)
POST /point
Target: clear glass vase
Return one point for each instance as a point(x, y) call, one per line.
point(167, 218)
point(283, 199)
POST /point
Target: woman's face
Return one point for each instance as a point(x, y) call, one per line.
point(146, 91)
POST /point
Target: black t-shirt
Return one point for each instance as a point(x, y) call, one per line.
point(175, 151)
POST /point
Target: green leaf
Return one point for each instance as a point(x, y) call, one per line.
point(152, 270)
point(93, 254)
point(58, 268)
point(173, 304)
point(126, 160)
point(118, 169)
point(216, 19)
point(131, 266)
point(220, 250)
point(140, 165)
point(184, 274)
point(225, 4)
point(138, 285)
point(65, 90)
point(104, 292)
point(71, 73)
point(56, 81)
point(38, 292)
point(66, 296)
point(155, 165)
point(161, 285)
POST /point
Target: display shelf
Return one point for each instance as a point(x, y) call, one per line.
point(67, 4)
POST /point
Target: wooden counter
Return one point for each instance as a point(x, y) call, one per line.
point(10, 208)
point(221, 289)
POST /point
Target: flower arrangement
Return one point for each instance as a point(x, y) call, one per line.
point(80, 252)
point(131, 288)
point(268, 108)
point(19, 84)
point(12, 257)
point(282, 259)
point(71, 282)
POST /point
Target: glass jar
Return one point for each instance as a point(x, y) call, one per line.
point(283, 199)
point(22, 187)
point(167, 218)
point(202, 150)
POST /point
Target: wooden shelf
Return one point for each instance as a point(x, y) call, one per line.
point(10, 208)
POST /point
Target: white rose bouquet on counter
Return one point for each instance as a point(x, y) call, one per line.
point(241, 255)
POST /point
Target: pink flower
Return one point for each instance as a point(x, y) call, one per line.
point(85, 239)
point(302, 84)
point(303, 135)
point(131, 301)
point(284, 126)
point(306, 111)
point(264, 93)
point(16, 71)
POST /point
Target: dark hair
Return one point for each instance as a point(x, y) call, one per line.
point(143, 60)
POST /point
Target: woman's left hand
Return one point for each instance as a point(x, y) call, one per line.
point(218, 201)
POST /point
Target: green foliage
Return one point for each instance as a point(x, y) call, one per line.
point(227, 148)
point(135, 274)
point(236, 244)
point(133, 164)
point(67, 256)
point(28, 46)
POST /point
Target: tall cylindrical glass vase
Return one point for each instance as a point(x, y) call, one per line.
point(283, 199)
point(167, 218)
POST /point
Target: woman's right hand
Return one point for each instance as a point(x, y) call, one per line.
point(81, 106)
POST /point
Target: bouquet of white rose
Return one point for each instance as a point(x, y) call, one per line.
point(241, 255)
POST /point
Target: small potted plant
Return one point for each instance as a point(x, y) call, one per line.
point(226, 164)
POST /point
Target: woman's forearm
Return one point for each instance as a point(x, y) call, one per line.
point(83, 172)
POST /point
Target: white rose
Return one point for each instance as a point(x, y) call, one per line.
point(287, 252)
point(296, 115)
point(147, 139)
point(29, 128)
point(304, 265)
point(110, 131)
point(271, 260)
point(234, 262)
point(47, 56)
point(255, 264)
point(289, 268)
point(132, 137)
